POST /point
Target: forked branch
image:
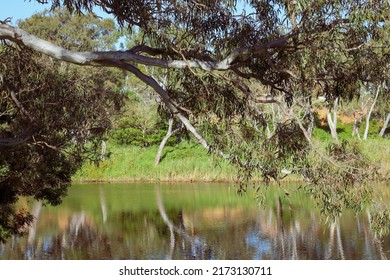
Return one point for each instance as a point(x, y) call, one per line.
point(21, 37)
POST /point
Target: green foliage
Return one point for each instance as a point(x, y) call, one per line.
point(134, 136)
point(53, 118)
point(340, 180)
point(380, 222)
point(295, 49)
point(140, 124)
point(259, 156)
point(13, 222)
point(322, 134)
point(4, 171)
point(79, 32)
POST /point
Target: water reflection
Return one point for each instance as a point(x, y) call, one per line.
point(139, 221)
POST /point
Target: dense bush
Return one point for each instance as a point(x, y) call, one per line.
point(135, 137)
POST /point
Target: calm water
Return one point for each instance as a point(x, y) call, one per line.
point(188, 221)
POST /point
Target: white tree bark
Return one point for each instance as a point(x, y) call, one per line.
point(120, 59)
point(126, 59)
point(385, 123)
point(20, 36)
point(103, 151)
point(359, 116)
point(369, 114)
point(170, 132)
point(332, 122)
point(335, 109)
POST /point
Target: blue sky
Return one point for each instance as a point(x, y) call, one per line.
point(19, 9)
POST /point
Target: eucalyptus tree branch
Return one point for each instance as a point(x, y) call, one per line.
point(260, 78)
point(116, 59)
point(169, 133)
point(316, 148)
point(146, 49)
point(163, 94)
point(21, 37)
point(122, 60)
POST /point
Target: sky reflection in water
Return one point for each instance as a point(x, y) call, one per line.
point(189, 221)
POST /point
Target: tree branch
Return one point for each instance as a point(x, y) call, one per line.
point(14, 141)
point(121, 59)
point(21, 37)
point(163, 94)
point(19, 105)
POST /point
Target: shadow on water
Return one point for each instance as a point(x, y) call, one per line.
point(144, 221)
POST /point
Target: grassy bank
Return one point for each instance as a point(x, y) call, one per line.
point(376, 149)
point(188, 162)
point(184, 162)
point(378, 152)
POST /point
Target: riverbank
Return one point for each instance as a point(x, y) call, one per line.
point(186, 162)
point(189, 162)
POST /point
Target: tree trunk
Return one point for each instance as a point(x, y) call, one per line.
point(164, 141)
point(355, 128)
point(310, 126)
point(332, 122)
point(335, 108)
point(103, 151)
point(369, 114)
point(382, 132)
point(269, 135)
point(359, 116)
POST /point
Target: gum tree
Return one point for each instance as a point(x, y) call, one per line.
point(53, 115)
point(217, 50)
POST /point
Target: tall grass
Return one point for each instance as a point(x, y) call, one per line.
point(184, 162)
point(188, 161)
point(375, 148)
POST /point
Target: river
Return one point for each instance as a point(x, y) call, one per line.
point(190, 221)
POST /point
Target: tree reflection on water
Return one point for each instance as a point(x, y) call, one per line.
point(167, 228)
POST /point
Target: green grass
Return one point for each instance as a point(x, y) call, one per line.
point(189, 162)
point(376, 149)
point(185, 162)
point(344, 131)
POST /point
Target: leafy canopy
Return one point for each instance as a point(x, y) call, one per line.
point(231, 60)
point(52, 114)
